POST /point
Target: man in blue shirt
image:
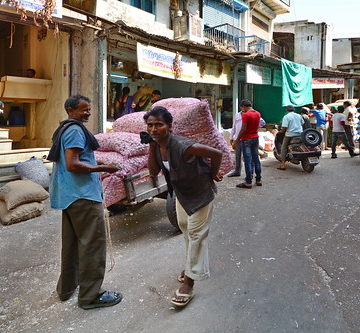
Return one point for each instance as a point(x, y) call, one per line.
point(75, 188)
point(291, 126)
point(321, 123)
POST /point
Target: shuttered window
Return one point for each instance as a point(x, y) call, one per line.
point(216, 13)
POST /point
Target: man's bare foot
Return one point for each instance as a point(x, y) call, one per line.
point(181, 277)
point(187, 286)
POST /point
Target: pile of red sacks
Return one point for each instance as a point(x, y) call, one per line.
point(191, 118)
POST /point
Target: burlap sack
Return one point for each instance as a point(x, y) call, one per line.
point(20, 192)
point(21, 213)
point(142, 91)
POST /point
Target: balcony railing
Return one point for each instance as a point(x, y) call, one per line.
point(225, 36)
point(255, 44)
point(230, 38)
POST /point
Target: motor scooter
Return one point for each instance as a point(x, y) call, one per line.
point(304, 149)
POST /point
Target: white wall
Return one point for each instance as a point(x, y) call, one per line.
point(255, 30)
point(307, 40)
point(341, 51)
point(308, 45)
point(114, 10)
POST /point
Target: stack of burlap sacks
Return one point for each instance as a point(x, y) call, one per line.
point(21, 200)
point(191, 118)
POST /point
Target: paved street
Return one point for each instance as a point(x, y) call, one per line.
point(285, 257)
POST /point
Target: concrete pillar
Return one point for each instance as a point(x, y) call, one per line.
point(351, 86)
point(75, 62)
point(102, 83)
point(235, 92)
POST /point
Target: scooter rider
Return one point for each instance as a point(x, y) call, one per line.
point(291, 126)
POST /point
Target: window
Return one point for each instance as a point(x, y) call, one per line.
point(147, 5)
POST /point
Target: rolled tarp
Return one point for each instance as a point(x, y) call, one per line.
point(296, 84)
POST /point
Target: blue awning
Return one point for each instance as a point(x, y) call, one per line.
point(240, 6)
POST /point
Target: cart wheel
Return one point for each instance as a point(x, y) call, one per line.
point(171, 210)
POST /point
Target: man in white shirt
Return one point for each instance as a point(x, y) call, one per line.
point(349, 113)
point(338, 121)
point(292, 127)
point(237, 124)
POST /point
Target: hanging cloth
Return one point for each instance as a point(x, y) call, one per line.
point(297, 84)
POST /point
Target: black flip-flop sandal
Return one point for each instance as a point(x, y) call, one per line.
point(105, 299)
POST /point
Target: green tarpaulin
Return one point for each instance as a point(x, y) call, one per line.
point(296, 86)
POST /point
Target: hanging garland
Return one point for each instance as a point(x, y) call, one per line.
point(202, 66)
point(177, 66)
point(44, 14)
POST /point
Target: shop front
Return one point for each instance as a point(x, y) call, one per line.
point(327, 90)
point(34, 82)
point(174, 74)
point(267, 91)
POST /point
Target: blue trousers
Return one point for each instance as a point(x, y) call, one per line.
point(250, 150)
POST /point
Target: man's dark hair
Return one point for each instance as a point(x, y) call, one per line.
point(304, 110)
point(246, 103)
point(159, 112)
point(156, 92)
point(126, 91)
point(74, 100)
point(340, 109)
point(347, 103)
point(319, 106)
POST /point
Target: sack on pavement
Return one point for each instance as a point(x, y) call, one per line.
point(35, 170)
point(20, 213)
point(20, 192)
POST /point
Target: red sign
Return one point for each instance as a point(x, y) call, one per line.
point(326, 83)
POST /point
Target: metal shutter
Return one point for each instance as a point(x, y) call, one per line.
point(216, 13)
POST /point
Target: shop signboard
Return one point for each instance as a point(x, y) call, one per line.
point(215, 72)
point(160, 62)
point(34, 5)
point(328, 83)
point(277, 78)
point(258, 75)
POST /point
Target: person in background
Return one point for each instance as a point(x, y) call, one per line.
point(248, 137)
point(321, 123)
point(338, 123)
point(2, 114)
point(312, 119)
point(292, 126)
point(146, 101)
point(30, 72)
point(238, 151)
point(350, 114)
point(123, 104)
point(75, 188)
point(305, 116)
point(190, 170)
